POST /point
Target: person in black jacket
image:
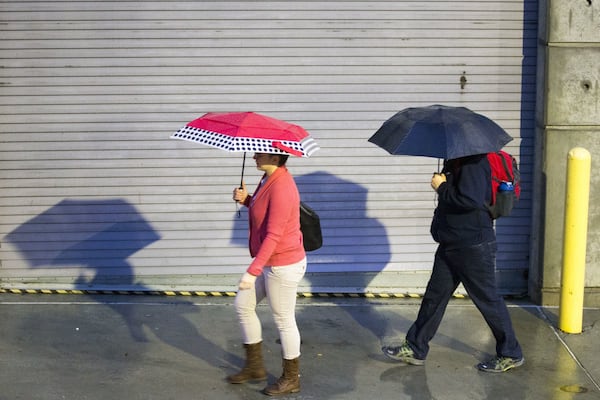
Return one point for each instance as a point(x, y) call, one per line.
point(466, 254)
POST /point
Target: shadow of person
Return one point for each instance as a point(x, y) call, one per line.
point(345, 263)
point(341, 255)
point(341, 265)
point(98, 237)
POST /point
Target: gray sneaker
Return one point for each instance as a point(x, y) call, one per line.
point(500, 364)
point(402, 353)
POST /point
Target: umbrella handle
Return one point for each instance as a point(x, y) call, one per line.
point(237, 205)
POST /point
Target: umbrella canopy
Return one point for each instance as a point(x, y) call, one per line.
point(248, 131)
point(440, 131)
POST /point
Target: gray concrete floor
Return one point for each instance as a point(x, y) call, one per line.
point(80, 347)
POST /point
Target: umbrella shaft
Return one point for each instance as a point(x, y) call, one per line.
point(243, 166)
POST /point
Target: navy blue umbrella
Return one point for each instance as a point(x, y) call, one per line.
point(440, 131)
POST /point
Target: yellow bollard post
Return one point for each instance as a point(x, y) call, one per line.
point(575, 240)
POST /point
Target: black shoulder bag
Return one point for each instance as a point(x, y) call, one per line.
point(310, 225)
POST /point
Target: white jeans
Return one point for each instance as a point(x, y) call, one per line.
point(280, 286)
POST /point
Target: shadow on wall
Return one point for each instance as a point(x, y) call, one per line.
point(352, 242)
point(95, 237)
point(98, 237)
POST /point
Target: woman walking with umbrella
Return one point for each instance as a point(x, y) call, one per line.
point(278, 266)
point(276, 243)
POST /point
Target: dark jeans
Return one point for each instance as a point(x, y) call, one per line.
point(474, 266)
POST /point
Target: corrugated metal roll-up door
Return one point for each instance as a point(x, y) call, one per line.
point(96, 196)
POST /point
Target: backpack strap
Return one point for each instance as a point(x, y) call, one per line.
point(505, 165)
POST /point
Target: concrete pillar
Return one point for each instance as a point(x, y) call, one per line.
point(568, 116)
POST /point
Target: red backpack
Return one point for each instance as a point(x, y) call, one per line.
point(506, 183)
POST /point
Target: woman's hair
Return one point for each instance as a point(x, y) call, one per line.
point(282, 159)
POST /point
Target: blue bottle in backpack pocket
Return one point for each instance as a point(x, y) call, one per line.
point(506, 187)
point(504, 199)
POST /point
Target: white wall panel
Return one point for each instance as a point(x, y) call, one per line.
point(95, 194)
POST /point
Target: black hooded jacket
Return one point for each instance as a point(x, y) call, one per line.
point(461, 217)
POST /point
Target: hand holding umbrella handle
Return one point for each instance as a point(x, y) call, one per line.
point(240, 194)
point(437, 180)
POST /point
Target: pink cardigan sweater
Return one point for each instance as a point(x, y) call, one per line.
point(274, 223)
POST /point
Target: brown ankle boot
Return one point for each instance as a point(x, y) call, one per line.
point(289, 382)
point(254, 369)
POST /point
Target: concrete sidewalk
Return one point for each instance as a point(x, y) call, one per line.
point(79, 347)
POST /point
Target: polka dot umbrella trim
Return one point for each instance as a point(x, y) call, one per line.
point(248, 132)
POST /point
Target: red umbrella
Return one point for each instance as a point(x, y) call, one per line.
point(248, 131)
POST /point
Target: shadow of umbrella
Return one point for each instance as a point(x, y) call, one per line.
point(96, 237)
point(100, 235)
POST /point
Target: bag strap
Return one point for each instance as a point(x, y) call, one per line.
point(505, 164)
